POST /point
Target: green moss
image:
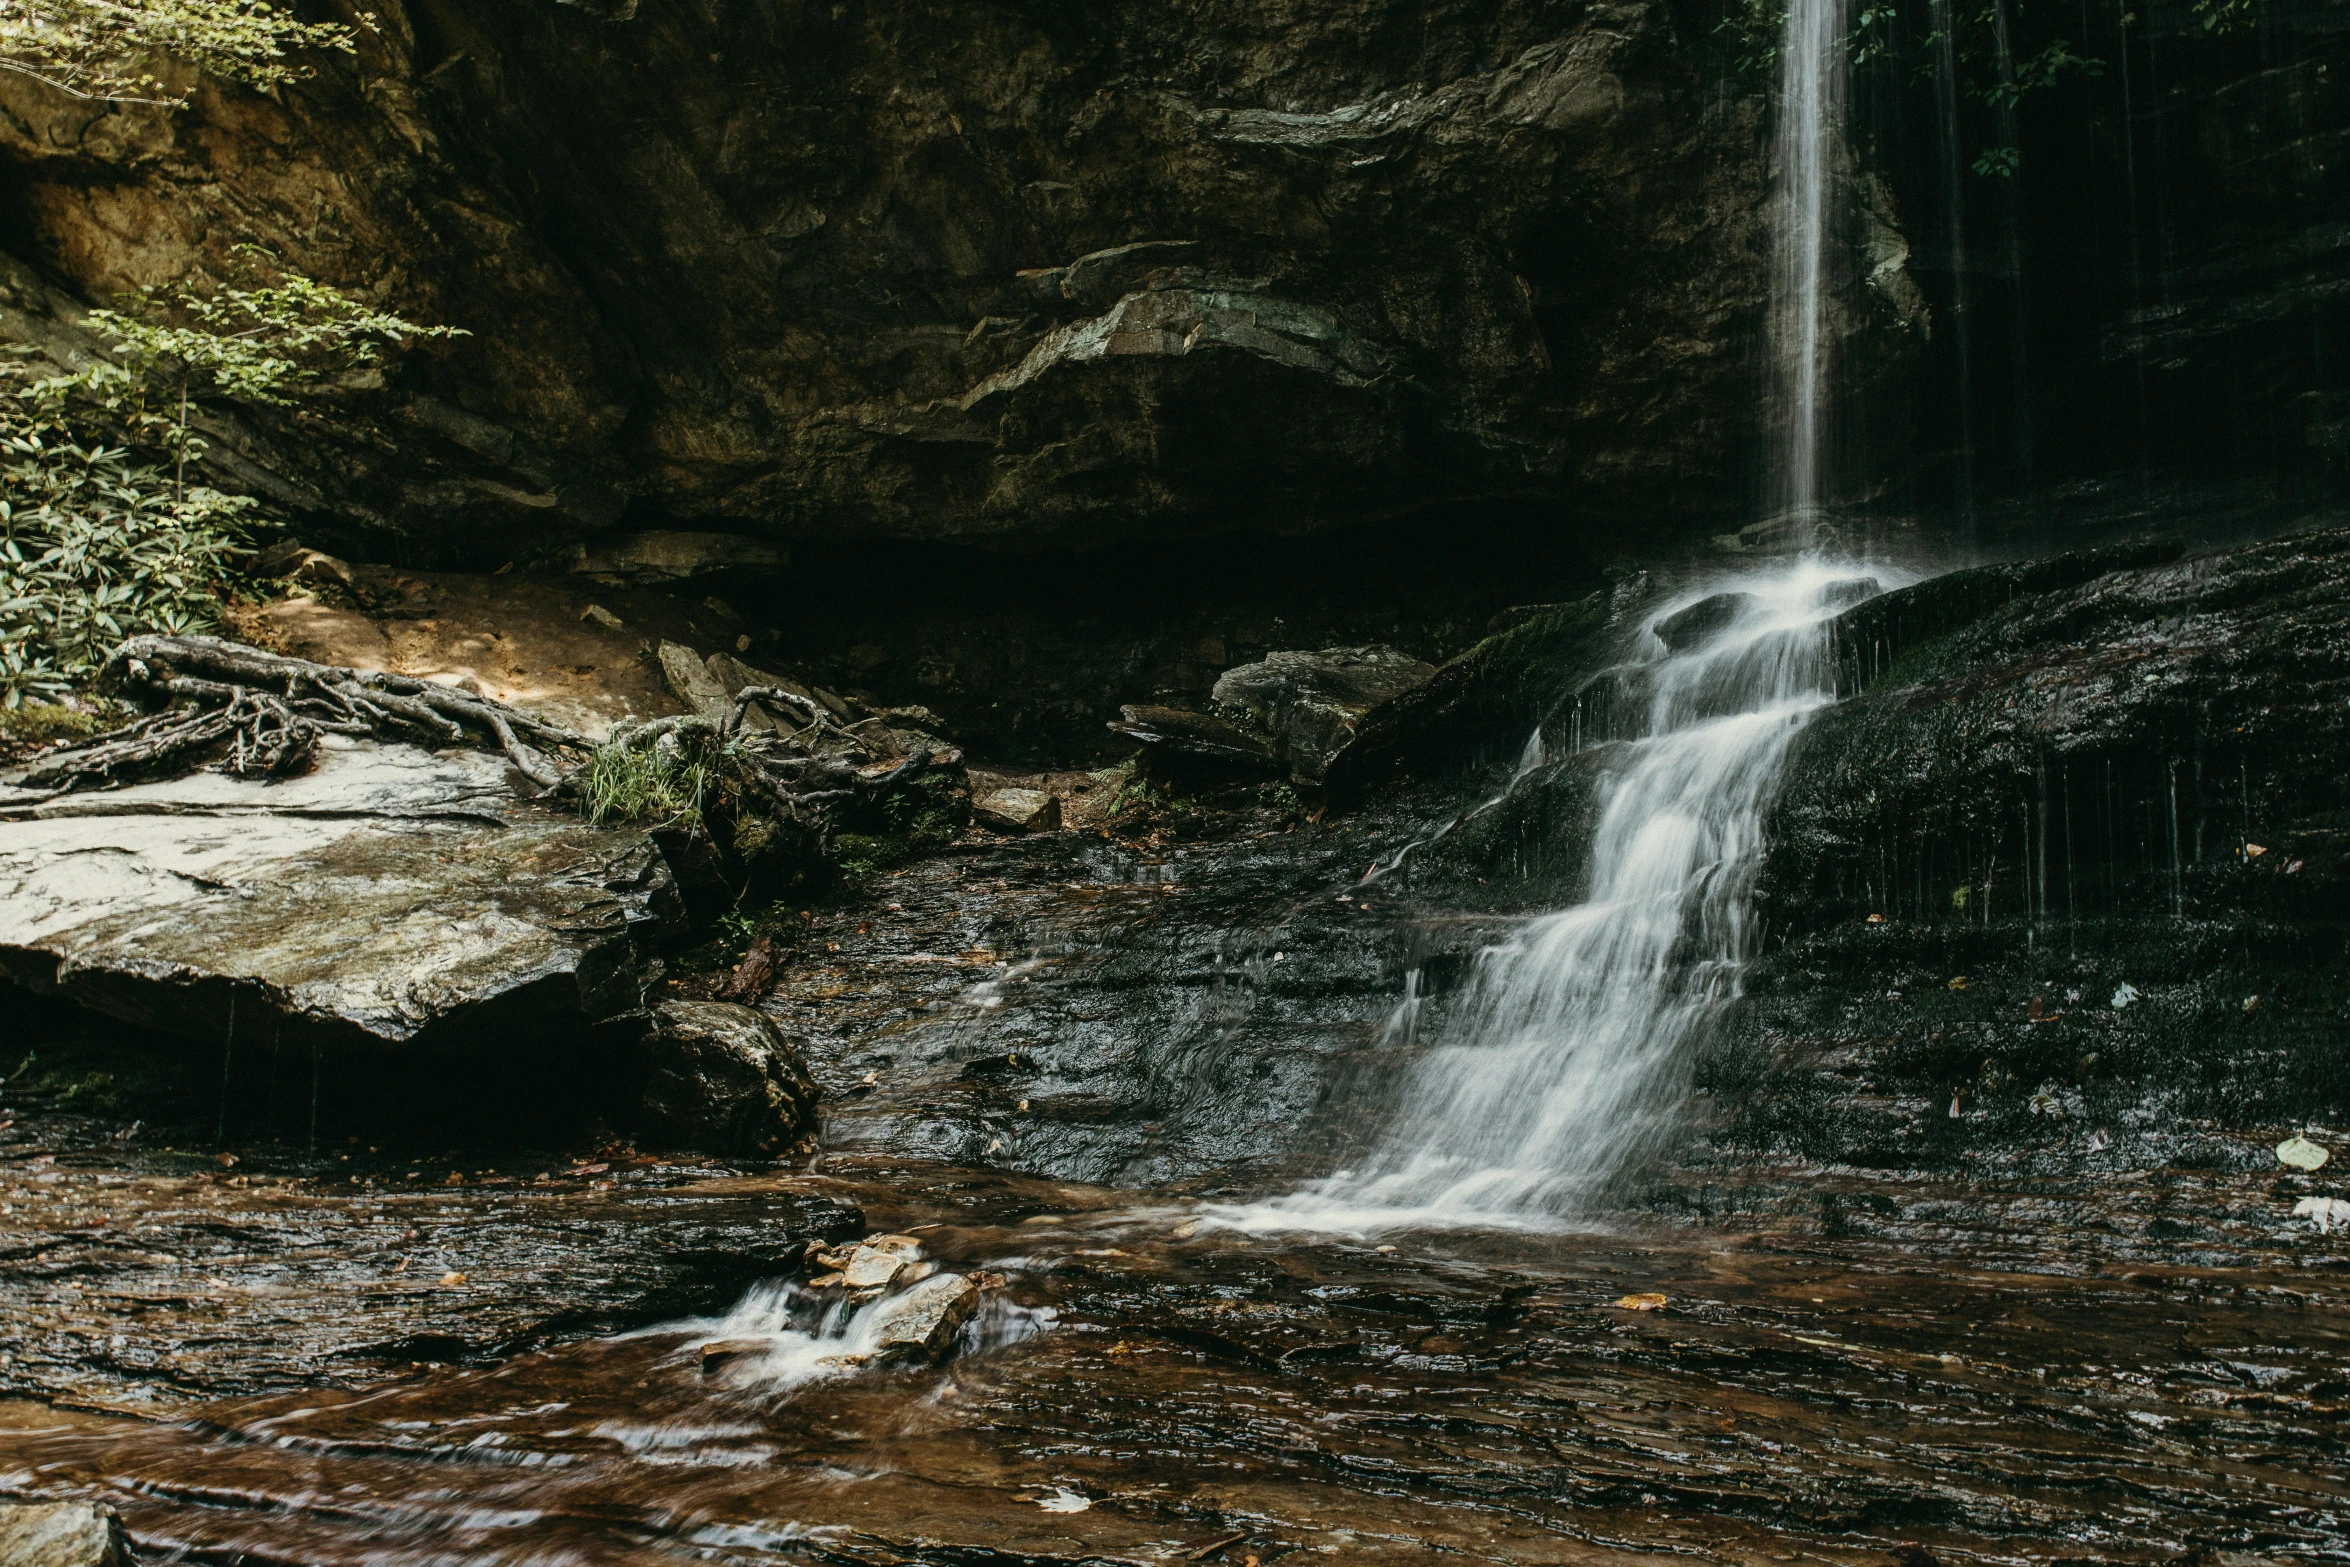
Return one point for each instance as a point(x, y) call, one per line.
point(38, 723)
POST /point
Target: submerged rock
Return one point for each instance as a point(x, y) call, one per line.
point(63, 1534)
point(725, 1079)
point(392, 896)
point(1313, 703)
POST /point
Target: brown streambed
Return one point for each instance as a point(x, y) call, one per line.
point(2128, 1369)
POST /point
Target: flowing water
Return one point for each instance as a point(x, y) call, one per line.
point(1565, 1061)
point(1813, 66)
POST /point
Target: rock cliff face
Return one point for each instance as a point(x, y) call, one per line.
point(1029, 275)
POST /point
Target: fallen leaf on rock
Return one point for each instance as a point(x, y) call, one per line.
point(1649, 1301)
point(2325, 1214)
point(2300, 1153)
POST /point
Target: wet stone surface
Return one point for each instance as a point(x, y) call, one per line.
point(1966, 1371)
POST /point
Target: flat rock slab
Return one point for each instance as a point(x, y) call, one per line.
point(391, 895)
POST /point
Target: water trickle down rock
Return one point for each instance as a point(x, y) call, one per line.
point(725, 1079)
point(392, 896)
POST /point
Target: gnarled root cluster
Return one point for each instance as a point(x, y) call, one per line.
point(261, 714)
point(264, 713)
point(795, 773)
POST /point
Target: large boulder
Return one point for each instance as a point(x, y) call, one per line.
point(724, 1078)
point(1313, 703)
point(390, 897)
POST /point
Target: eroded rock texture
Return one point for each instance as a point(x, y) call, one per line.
point(393, 897)
point(1017, 274)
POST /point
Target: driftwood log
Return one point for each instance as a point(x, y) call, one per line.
point(262, 714)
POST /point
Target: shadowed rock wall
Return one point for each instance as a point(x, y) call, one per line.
point(1029, 275)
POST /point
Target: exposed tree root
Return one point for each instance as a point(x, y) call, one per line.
point(255, 713)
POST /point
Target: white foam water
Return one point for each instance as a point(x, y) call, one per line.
point(1565, 1059)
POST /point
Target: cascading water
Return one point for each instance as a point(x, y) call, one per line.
point(1566, 1055)
point(1565, 1060)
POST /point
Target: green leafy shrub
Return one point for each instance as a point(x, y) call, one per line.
point(105, 50)
point(97, 541)
point(95, 545)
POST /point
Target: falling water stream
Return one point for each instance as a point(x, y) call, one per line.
point(1564, 1060)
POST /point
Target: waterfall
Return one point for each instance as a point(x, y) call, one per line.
point(1812, 71)
point(1567, 1057)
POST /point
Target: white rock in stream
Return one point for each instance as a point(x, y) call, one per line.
point(921, 1323)
point(63, 1534)
point(389, 893)
point(878, 1260)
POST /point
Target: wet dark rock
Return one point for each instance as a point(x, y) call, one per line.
point(391, 897)
point(2067, 881)
point(669, 555)
point(723, 1078)
point(63, 1534)
point(1487, 699)
point(1869, 638)
point(1313, 704)
point(1196, 740)
point(1702, 621)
